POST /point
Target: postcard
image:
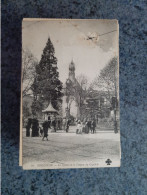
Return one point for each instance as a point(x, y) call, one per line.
point(70, 115)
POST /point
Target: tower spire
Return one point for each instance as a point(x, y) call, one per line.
point(72, 70)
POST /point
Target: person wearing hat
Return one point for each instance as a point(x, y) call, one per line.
point(93, 125)
point(67, 125)
point(45, 130)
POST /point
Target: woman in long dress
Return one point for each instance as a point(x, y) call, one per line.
point(79, 127)
point(86, 127)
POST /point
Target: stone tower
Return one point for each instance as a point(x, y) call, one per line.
point(71, 107)
point(72, 71)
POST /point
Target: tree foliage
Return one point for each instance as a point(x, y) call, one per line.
point(107, 79)
point(26, 111)
point(83, 81)
point(47, 84)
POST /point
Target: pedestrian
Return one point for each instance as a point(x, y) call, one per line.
point(76, 121)
point(49, 123)
point(64, 124)
point(28, 127)
point(82, 127)
point(83, 123)
point(59, 124)
point(86, 127)
point(45, 130)
point(40, 131)
point(54, 124)
point(93, 125)
point(67, 125)
point(35, 128)
point(79, 127)
point(89, 125)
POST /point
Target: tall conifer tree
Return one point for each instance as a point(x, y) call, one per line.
point(49, 85)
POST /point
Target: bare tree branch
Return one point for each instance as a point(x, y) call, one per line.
point(106, 80)
point(29, 63)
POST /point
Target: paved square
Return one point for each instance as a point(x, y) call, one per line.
point(63, 148)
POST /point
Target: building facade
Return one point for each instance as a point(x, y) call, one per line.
point(71, 98)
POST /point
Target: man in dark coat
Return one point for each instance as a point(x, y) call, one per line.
point(35, 128)
point(93, 125)
point(45, 130)
point(28, 126)
point(67, 125)
point(89, 125)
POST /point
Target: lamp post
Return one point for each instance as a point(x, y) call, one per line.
point(115, 106)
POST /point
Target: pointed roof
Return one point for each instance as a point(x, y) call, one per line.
point(50, 109)
point(72, 66)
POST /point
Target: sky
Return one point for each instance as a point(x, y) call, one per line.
point(89, 43)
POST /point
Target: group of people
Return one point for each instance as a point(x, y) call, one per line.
point(48, 124)
point(86, 126)
point(36, 129)
point(66, 123)
point(32, 128)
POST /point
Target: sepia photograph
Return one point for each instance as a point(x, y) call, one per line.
point(70, 115)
